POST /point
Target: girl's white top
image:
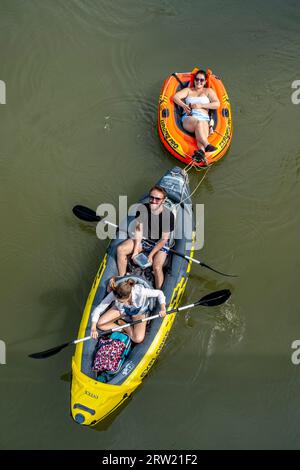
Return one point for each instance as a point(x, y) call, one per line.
point(140, 297)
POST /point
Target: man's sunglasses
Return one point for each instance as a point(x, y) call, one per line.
point(154, 198)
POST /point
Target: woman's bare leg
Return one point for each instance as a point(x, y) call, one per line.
point(201, 133)
point(189, 124)
point(200, 128)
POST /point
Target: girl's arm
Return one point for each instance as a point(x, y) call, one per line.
point(161, 298)
point(156, 293)
point(102, 307)
point(94, 332)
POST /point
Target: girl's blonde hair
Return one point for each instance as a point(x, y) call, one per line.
point(123, 289)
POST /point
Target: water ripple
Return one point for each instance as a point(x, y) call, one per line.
point(115, 19)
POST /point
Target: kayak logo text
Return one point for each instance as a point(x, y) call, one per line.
point(296, 94)
point(185, 226)
point(295, 358)
point(2, 92)
point(2, 352)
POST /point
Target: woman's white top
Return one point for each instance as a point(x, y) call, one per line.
point(140, 296)
point(197, 99)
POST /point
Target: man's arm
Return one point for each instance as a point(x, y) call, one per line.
point(138, 228)
point(138, 235)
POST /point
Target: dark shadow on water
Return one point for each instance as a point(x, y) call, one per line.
point(65, 304)
point(67, 377)
point(212, 284)
point(208, 185)
point(56, 306)
point(87, 227)
point(59, 311)
point(107, 422)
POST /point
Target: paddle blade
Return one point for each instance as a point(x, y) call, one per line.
point(48, 352)
point(84, 213)
point(214, 298)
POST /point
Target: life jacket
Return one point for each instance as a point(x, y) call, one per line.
point(110, 354)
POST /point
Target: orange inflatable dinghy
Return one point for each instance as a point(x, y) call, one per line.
point(175, 138)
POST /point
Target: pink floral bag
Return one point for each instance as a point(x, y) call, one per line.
point(108, 355)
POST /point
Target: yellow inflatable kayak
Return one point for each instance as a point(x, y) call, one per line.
point(91, 400)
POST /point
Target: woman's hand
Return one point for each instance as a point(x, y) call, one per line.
point(94, 332)
point(187, 109)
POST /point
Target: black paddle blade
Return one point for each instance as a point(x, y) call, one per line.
point(84, 213)
point(218, 272)
point(48, 352)
point(214, 298)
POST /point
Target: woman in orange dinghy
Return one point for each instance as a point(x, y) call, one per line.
point(196, 101)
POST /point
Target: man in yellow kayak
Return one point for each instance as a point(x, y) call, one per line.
point(152, 233)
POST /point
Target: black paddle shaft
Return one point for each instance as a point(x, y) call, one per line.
point(89, 215)
point(210, 300)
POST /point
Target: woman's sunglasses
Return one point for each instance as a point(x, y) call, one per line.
point(201, 80)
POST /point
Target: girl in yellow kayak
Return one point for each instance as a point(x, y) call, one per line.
point(129, 299)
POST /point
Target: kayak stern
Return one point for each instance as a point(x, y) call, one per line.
point(92, 401)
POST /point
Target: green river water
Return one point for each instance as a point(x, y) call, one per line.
point(79, 126)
